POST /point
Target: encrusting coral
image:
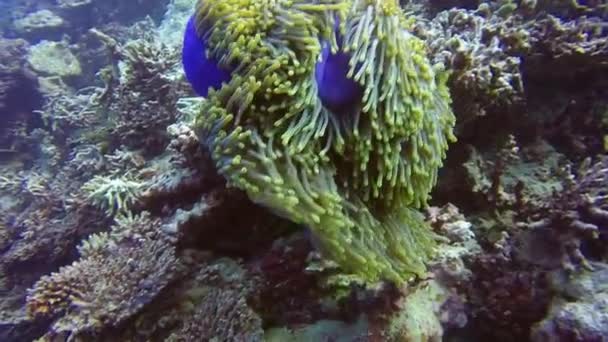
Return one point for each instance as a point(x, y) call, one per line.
point(355, 176)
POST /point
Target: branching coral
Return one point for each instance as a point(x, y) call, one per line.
point(354, 177)
point(484, 75)
point(118, 274)
point(113, 195)
point(140, 97)
point(567, 49)
point(64, 111)
point(222, 315)
point(576, 216)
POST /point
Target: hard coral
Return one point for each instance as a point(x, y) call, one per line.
point(222, 315)
point(140, 96)
point(118, 274)
point(567, 49)
point(576, 217)
point(474, 48)
point(208, 304)
point(354, 178)
point(113, 195)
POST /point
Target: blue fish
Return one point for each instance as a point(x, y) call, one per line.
point(336, 91)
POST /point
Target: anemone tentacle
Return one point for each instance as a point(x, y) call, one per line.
point(355, 177)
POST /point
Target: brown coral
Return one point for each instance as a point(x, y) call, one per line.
point(119, 273)
point(223, 315)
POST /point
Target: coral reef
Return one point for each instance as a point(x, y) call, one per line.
point(579, 311)
point(118, 273)
point(113, 195)
point(484, 76)
point(576, 216)
point(223, 315)
point(43, 225)
point(504, 56)
point(18, 93)
point(140, 99)
point(298, 200)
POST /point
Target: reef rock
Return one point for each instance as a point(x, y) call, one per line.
point(580, 313)
point(11, 67)
point(73, 4)
point(43, 24)
point(18, 95)
point(53, 59)
point(171, 28)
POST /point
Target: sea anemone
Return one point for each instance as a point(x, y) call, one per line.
point(354, 171)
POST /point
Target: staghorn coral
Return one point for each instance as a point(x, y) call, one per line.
point(355, 177)
point(86, 160)
point(63, 112)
